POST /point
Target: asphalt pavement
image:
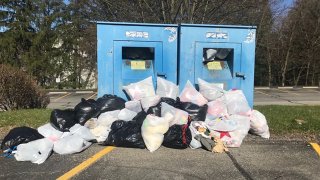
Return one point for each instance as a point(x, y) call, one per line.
point(255, 159)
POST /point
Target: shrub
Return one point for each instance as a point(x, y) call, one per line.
point(19, 91)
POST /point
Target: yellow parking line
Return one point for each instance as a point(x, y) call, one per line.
point(92, 96)
point(263, 93)
point(288, 92)
point(62, 97)
point(316, 147)
point(86, 163)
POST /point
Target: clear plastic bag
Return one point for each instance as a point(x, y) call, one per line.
point(167, 89)
point(258, 124)
point(153, 130)
point(101, 132)
point(235, 138)
point(147, 102)
point(49, 132)
point(126, 115)
point(217, 108)
point(221, 124)
point(133, 106)
point(190, 94)
point(70, 145)
point(173, 115)
point(210, 91)
point(107, 118)
point(141, 89)
point(82, 132)
point(236, 102)
point(35, 151)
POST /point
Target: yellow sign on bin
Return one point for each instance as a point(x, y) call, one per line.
point(215, 65)
point(138, 65)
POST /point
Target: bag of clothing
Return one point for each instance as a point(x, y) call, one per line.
point(125, 134)
point(258, 124)
point(50, 132)
point(133, 106)
point(167, 89)
point(86, 110)
point(62, 119)
point(196, 113)
point(149, 101)
point(190, 94)
point(236, 102)
point(177, 137)
point(110, 102)
point(126, 114)
point(153, 130)
point(19, 135)
point(141, 89)
point(70, 145)
point(211, 91)
point(36, 151)
point(217, 108)
point(173, 115)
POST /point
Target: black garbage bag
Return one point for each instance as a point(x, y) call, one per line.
point(196, 112)
point(156, 110)
point(62, 119)
point(86, 110)
point(18, 136)
point(140, 117)
point(169, 101)
point(177, 137)
point(110, 102)
point(125, 134)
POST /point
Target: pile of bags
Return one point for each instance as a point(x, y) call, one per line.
point(150, 119)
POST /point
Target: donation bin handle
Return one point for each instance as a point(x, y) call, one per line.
point(240, 75)
point(163, 75)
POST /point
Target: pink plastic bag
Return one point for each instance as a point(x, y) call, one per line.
point(217, 108)
point(190, 94)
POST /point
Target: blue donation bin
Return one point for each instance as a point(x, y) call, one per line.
point(130, 52)
point(218, 54)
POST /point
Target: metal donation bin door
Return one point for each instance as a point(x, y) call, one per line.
point(218, 63)
point(134, 61)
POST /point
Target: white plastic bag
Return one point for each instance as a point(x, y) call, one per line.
point(133, 106)
point(147, 102)
point(167, 89)
point(141, 89)
point(210, 91)
point(126, 114)
point(82, 132)
point(100, 132)
point(237, 102)
point(49, 132)
point(190, 94)
point(35, 151)
point(221, 124)
point(258, 124)
point(70, 145)
point(235, 138)
point(107, 118)
point(217, 108)
point(173, 115)
point(153, 130)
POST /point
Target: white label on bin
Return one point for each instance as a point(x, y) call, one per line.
point(137, 34)
point(217, 35)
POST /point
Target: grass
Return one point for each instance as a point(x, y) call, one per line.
point(26, 117)
point(292, 119)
